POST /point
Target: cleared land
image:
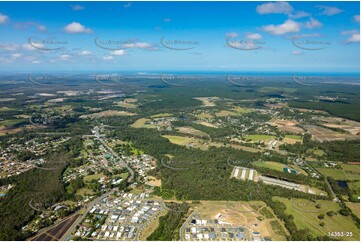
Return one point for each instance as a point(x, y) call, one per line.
point(192, 131)
point(260, 137)
point(108, 113)
point(306, 214)
point(323, 134)
point(348, 172)
point(207, 101)
point(161, 115)
point(241, 213)
point(203, 144)
point(355, 207)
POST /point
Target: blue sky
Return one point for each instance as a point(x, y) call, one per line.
point(180, 36)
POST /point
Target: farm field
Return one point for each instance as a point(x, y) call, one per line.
point(306, 214)
point(323, 134)
point(348, 172)
point(260, 137)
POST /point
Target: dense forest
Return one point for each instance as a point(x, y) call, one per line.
point(36, 188)
point(169, 224)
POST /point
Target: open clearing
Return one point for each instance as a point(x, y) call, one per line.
point(306, 214)
point(192, 131)
point(355, 207)
point(141, 123)
point(207, 124)
point(348, 172)
point(204, 116)
point(287, 125)
point(323, 134)
point(241, 213)
point(108, 113)
point(128, 103)
point(204, 144)
point(161, 115)
point(260, 137)
point(93, 177)
point(207, 101)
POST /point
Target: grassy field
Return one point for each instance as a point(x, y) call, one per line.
point(204, 144)
point(84, 191)
point(140, 123)
point(240, 110)
point(296, 137)
point(348, 172)
point(354, 187)
point(225, 113)
point(10, 122)
point(355, 207)
point(192, 131)
point(160, 115)
point(336, 174)
point(204, 116)
point(352, 171)
point(260, 137)
point(109, 113)
point(2, 109)
point(306, 216)
point(270, 164)
point(92, 177)
point(128, 103)
point(278, 166)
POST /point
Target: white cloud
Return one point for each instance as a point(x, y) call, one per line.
point(313, 23)
point(36, 62)
point(75, 27)
point(296, 52)
point(289, 26)
point(108, 57)
point(299, 14)
point(64, 57)
point(254, 36)
point(356, 18)
point(329, 10)
point(3, 18)
point(354, 36)
point(9, 46)
point(85, 52)
point(232, 34)
point(77, 7)
point(140, 45)
point(275, 7)
point(118, 52)
point(32, 46)
point(25, 25)
point(167, 20)
point(127, 5)
point(17, 55)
